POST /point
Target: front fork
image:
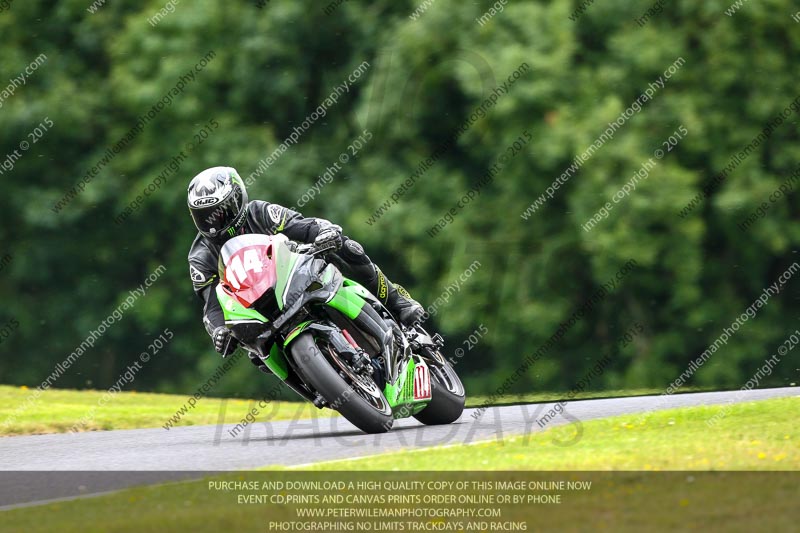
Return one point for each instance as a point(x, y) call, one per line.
point(341, 342)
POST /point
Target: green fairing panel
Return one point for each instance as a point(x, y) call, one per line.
point(400, 395)
point(390, 392)
point(234, 311)
point(276, 362)
point(403, 391)
point(349, 299)
point(356, 287)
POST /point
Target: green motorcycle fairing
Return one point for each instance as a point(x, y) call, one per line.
point(350, 298)
point(302, 281)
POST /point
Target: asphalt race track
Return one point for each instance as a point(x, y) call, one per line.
point(158, 455)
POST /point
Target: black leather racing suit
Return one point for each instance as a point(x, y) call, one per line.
point(271, 219)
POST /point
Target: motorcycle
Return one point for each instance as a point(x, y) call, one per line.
point(329, 339)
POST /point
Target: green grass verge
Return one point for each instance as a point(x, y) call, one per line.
point(761, 435)
point(756, 436)
point(57, 410)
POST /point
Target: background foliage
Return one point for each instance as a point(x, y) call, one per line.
point(274, 65)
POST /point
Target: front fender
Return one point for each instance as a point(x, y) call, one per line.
point(331, 334)
point(297, 331)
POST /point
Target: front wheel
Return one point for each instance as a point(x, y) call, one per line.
point(360, 401)
point(447, 395)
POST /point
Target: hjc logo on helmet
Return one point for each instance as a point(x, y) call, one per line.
point(201, 202)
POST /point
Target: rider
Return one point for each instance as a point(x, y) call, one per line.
point(220, 209)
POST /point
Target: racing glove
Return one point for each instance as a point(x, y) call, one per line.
point(331, 234)
point(224, 342)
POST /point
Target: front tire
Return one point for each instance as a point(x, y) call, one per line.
point(374, 416)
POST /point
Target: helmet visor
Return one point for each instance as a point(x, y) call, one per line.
point(215, 219)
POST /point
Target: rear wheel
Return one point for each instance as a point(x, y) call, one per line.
point(447, 394)
point(354, 395)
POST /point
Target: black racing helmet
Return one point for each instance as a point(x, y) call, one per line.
point(218, 202)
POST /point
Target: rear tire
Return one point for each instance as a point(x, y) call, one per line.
point(320, 373)
point(445, 407)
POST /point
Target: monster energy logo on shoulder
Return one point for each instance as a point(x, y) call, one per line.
point(231, 231)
